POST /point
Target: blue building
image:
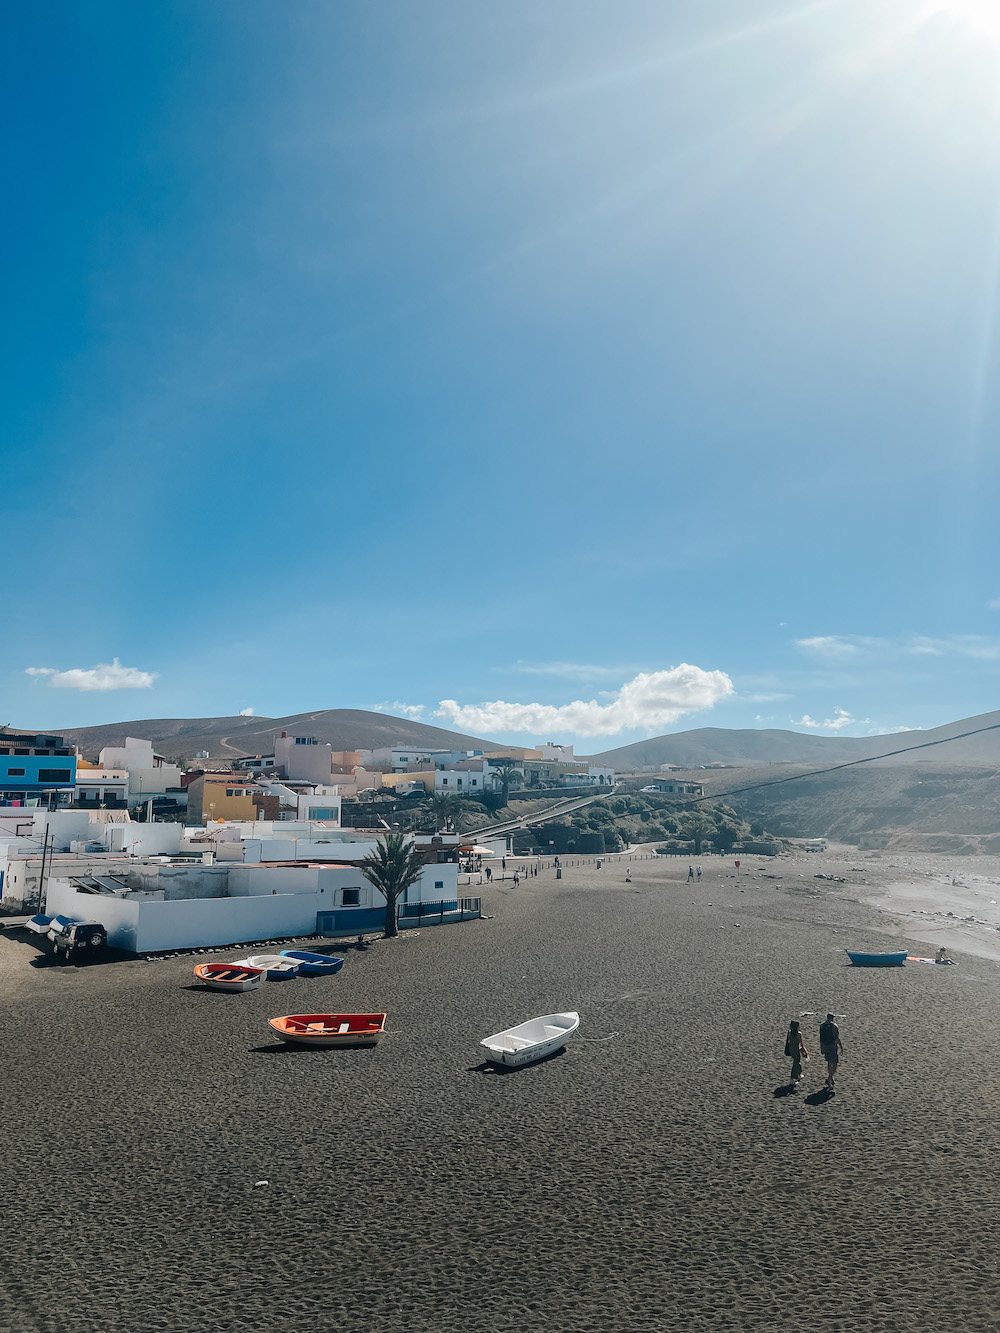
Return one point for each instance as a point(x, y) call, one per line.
point(35, 766)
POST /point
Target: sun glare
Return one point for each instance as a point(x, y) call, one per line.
point(979, 16)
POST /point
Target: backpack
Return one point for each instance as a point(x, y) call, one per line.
point(828, 1034)
point(790, 1050)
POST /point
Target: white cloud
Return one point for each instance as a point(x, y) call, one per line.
point(995, 604)
point(648, 701)
point(570, 670)
point(105, 676)
point(855, 647)
point(246, 712)
point(841, 718)
point(408, 710)
point(832, 645)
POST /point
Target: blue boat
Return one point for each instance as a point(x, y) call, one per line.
point(314, 964)
point(877, 959)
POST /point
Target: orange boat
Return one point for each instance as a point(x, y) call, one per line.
point(229, 976)
point(330, 1029)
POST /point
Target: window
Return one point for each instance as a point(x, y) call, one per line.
point(444, 782)
point(53, 774)
point(458, 781)
point(15, 772)
point(22, 752)
point(439, 883)
point(317, 813)
point(41, 752)
point(351, 897)
point(475, 782)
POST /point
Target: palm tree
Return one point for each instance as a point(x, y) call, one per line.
point(508, 776)
point(392, 867)
point(698, 827)
point(445, 807)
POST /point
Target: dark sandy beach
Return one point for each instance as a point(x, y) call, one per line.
point(654, 1176)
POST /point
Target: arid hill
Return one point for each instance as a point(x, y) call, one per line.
point(230, 737)
point(928, 807)
point(713, 745)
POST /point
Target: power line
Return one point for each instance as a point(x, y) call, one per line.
point(836, 768)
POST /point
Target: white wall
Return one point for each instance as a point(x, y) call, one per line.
point(119, 915)
point(262, 903)
point(145, 778)
point(303, 763)
point(474, 780)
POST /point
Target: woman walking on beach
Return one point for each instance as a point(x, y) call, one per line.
point(795, 1049)
point(831, 1046)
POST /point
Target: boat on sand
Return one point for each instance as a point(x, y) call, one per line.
point(531, 1041)
point(314, 964)
point(877, 959)
point(229, 976)
point(330, 1029)
point(277, 967)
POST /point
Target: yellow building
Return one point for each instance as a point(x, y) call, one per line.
point(221, 796)
point(403, 779)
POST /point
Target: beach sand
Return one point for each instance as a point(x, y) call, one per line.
point(656, 1175)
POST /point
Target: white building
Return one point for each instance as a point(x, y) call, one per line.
point(149, 774)
point(556, 754)
point(470, 778)
point(402, 758)
point(303, 758)
point(157, 907)
point(72, 842)
point(99, 786)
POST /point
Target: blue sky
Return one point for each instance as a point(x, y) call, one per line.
point(556, 370)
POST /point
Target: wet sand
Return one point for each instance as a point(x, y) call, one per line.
point(657, 1175)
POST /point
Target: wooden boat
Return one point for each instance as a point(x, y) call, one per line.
point(276, 967)
point(229, 976)
point(330, 1029)
point(877, 959)
point(314, 964)
point(531, 1041)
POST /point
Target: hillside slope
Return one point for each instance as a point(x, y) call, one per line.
point(229, 737)
point(930, 807)
point(709, 745)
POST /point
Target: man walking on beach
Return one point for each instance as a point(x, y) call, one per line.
point(831, 1046)
point(690, 872)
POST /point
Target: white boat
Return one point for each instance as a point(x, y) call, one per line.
point(275, 965)
point(531, 1041)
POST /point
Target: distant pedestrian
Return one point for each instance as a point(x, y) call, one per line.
point(503, 863)
point(690, 872)
point(517, 879)
point(831, 1047)
point(795, 1049)
point(628, 875)
point(489, 875)
point(699, 872)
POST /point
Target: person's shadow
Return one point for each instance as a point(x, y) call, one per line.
point(786, 1089)
point(820, 1097)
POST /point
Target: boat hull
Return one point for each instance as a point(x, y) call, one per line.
point(876, 959)
point(530, 1042)
point(329, 1029)
point(314, 964)
point(229, 977)
point(277, 967)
